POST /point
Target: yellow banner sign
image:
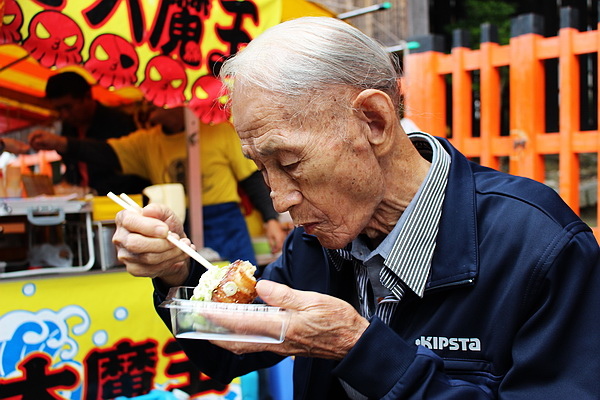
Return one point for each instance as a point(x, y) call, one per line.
point(161, 46)
point(94, 336)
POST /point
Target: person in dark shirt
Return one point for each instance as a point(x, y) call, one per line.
point(85, 118)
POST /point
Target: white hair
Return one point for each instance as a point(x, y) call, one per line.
point(306, 55)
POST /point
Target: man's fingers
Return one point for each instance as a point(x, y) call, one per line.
point(145, 225)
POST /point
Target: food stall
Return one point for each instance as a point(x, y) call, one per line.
point(76, 325)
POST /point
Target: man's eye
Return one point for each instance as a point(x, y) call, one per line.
point(291, 167)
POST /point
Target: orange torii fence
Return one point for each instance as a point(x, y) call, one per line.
point(440, 92)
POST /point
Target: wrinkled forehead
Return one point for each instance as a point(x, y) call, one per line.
point(255, 111)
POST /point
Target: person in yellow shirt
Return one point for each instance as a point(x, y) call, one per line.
point(159, 154)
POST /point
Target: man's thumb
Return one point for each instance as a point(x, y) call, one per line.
point(275, 294)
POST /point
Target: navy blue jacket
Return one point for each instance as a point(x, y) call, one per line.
point(511, 309)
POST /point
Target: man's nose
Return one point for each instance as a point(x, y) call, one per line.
point(283, 202)
point(285, 194)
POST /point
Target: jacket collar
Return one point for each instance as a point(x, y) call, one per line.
point(456, 258)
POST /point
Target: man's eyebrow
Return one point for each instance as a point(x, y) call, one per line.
point(270, 146)
point(267, 147)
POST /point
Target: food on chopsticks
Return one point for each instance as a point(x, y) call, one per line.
point(233, 283)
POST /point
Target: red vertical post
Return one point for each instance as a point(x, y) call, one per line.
point(462, 90)
point(194, 178)
point(490, 95)
point(568, 72)
point(526, 96)
point(424, 87)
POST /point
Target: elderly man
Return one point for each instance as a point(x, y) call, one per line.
point(413, 273)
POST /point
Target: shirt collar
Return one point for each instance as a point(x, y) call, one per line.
point(409, 259)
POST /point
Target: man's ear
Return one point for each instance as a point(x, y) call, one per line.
point(376, 109)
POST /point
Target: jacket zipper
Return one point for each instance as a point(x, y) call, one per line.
point(451, 284)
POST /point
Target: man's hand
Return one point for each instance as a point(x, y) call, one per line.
point(15, 146)
point(140, 239)
point(275, 234)
point(44, 140)
point(321, 326)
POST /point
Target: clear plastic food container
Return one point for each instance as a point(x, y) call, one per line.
point(193, 319)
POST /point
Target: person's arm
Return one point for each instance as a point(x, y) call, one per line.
point(44, 140)
point(91, 151)
point(258, 193)
point(13, 146)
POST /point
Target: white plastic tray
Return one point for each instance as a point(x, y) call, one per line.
point(192, 319)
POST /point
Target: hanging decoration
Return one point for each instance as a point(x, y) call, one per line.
point(167, 49)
